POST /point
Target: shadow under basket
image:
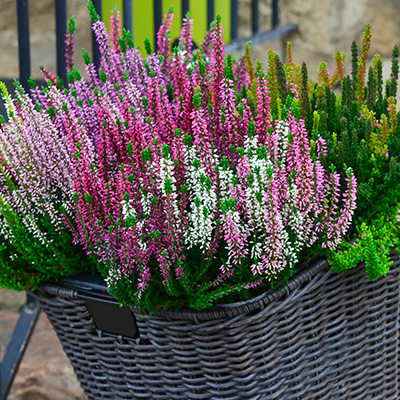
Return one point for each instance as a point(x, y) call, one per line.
point(323, 336)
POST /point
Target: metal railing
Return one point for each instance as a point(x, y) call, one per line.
point(275, 31)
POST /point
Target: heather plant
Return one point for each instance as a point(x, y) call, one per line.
point(35, 198)
point(358, 121)
point(185, 186)
point(190, 177)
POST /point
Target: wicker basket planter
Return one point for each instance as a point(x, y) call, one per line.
point(324, 336)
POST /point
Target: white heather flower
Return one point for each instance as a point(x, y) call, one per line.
point(167, 173)
point(203, 200)
point(282, 131)
point(127, 209)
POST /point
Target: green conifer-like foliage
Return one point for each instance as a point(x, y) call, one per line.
point(357, 118)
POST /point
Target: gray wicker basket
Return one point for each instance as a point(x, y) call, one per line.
point(323, 336)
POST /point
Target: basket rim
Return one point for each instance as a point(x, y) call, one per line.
point(76, 288)
point(306, 272)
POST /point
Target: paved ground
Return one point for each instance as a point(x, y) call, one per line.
point(45, 372)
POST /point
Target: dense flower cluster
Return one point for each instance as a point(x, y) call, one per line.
point(174, 170)
point(35, 197)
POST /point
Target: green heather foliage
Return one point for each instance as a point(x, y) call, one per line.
point(25, 262)
point(359, 121)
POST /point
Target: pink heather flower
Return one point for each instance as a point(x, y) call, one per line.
point(110, 61)
point(49, 76)
point(239, 72)
point(235, 238)
point(272, 260)
point(164, 42)
point(253, 284)
point(349, 205)
point(164, 37)
point(231, 137)
point(115, 29)
point(69, 45)
point(184, 89)
point(206, 45)
point(216, 73)
point(185, 39)
point(202, 140)
point(298, 159)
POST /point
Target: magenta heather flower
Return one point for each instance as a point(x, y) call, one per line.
point(164, 36)
point(263, 117)
point(242, 79)
point(185, 39)
point(69, 45)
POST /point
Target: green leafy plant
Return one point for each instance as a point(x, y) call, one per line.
point(358, 121)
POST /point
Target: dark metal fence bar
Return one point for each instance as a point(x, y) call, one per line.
point(157, 19)
point(282, 31)
point(210, 12)
point(61, 29)
point(127, 11)
point(275, 14)
point(277, 31)
point(255, 17)
point(24, 52)
point(185, 7)
point(95, 46)
point(234, 20)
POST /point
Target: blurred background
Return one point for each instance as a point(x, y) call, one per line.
point(323, 26)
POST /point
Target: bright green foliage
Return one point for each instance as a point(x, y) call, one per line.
point(147, 46)
point(92, 12)
point(71, 25)
point(354, 63)
point(281, 78)
point(391, 84)
point(361, 65)
point(252, 95)
point(307, 114)
point(372, 247)
point(25, 262)
point(292, 71)
point(86, 57)
point(272, 79)
point(228, 70)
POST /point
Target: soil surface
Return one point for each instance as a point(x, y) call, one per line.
point(45, 372)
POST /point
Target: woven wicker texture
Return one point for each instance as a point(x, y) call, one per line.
point(324, 336)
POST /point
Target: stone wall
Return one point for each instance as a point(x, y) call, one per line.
point(329, 25)
point(42, 31)
point(324, 25)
